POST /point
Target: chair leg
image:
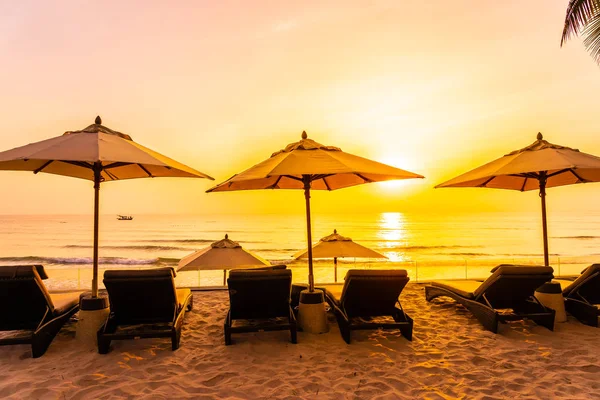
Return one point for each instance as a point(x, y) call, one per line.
point(407, 329)
point(343, 324)
point(175, 338)
point(227, 336)
point(546, 321)
point(103, 344)
point(176, 329)
point(293, 335)
point(227, 329)
point(40, 343)
point(586, 313)
point(293, 332)
point(104, 341)
point(293, 326)
point(45, 334)
point(536, 312)
point(345, 331)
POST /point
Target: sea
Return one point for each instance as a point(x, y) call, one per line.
point(429, 246)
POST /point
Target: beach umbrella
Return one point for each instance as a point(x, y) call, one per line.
point(536, 167)
point(224, 254)
point(307, 165)
point(95, 153)
point(336, 246)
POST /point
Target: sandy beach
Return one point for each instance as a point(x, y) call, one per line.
point(451, 357)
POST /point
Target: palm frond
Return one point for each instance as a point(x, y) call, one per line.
point(579, 12)
point(592, 36)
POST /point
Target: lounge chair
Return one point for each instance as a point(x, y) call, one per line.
point(507, 295)
point(582, 295)
point(366, 298)
point(25, 304)
point(262, 296)
point(143, 297)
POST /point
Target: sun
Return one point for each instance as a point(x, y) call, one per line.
point(397, 162)
point(393, 185)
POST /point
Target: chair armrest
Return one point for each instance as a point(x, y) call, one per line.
point(340, 313)
point(292, 315)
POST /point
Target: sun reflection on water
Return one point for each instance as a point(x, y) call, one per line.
point(392, 233)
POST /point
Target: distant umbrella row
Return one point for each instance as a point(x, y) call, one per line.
point(100, 154)
point(226, 255)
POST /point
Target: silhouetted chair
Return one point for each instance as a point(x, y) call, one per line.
point(259, 300)
point(25, 304)
point(507, 295)
point(142, 297)
point(582, 295)
point(366, 298)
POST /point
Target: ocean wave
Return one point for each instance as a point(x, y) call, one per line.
point(193, 241)
point(131, 247)
point(416, 248)
point(470, 254)
point(274, 250)
point(88, 260)
point(583, 237)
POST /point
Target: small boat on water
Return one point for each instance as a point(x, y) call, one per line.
point(124, 217)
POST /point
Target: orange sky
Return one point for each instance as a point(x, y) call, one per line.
point(436, 88)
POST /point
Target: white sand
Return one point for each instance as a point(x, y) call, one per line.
point(450, 357)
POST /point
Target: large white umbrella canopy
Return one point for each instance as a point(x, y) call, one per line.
point(95, 153)
point(337, 246)
point(310, 165)
point(223, 254)
point(536, 167)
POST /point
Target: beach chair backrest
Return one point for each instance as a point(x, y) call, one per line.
point(510, 285)
point(259, 294)
point(24, 299)
point(141, 296)
point(372, 292)
point(587, 285)
point(266, 268)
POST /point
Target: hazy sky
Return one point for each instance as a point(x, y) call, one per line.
point(434, 87)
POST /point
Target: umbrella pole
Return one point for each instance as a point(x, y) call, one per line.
point(311, 279)
point(544, 223)
point(224, 277)
point(97, 170)
point(335, 269)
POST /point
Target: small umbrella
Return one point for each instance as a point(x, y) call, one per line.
point(310, 165)
point(95, 153)
point(336, 246)
point(224, 254)
point(538, 166)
